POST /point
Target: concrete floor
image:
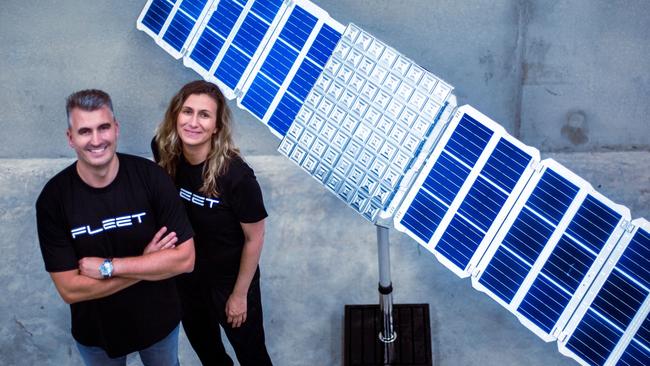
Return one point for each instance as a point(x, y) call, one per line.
point(319, 255)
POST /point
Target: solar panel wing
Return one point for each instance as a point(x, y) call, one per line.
point(365, 121)
point(466, 188)
point(611, 326)
point(550, 248)
point(386, 137)
point(173, 24)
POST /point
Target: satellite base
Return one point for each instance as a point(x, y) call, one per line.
point(362, 346)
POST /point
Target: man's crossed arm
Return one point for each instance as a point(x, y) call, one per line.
point(161, 259)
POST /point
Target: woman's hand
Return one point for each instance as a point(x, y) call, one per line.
point(236, 308)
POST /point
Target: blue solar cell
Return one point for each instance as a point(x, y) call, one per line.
point(324, 45)
point(459, 242)
point(544, 303)
point(636, 258)
point(424, 215)
point(468, 140)
point(513, 259)
point(232, 67)
point(552, 196)
point(206, 49)
point(504, 275)
point(178, 31)
point(225, 17)
point(298, 27)
point(260, 95)
point(304, 79)
point(250, 34)
point(528, 236)
point(482, 203)
point(193, 7)
point(593, 224)
point(594, 339)
point(284, 114)
point(619, 299)
point(568, 264)
point(267, 9)
point(445, 178)
point(635, 355)
point(279, 61)
point(560, 277)
point(157, 14)
point(506, 165)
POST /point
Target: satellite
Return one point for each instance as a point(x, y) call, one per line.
point(387, 137)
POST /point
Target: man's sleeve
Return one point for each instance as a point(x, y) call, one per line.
point(168, 208)
point(53, 235)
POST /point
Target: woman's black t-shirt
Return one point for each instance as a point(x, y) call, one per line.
point(219, 238)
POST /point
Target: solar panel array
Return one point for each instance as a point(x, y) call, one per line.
point(386, 137)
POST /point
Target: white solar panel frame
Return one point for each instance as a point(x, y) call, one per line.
point(565, 333)
point(585, 189)
point(159, 37)
point(498, 134)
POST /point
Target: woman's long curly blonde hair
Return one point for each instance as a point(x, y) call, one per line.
point(222, 147)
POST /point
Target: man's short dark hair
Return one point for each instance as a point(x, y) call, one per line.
point(88, 100)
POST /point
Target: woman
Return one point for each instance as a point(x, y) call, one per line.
point(224, 203)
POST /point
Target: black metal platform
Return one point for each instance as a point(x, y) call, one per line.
point(362, 346)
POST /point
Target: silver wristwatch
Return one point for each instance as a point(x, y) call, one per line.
point(106, 268)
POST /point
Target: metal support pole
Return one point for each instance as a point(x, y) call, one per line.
point(387, 333)
point(411, 319)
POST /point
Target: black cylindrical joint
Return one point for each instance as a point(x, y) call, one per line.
point(385, 290)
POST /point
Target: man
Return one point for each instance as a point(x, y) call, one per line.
point(101, 223)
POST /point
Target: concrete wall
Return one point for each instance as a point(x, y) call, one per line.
point(569, 75)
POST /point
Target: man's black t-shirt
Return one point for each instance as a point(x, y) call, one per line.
point(75, 220)
point(219, 239)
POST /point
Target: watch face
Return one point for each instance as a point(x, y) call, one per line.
point(106, 268)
